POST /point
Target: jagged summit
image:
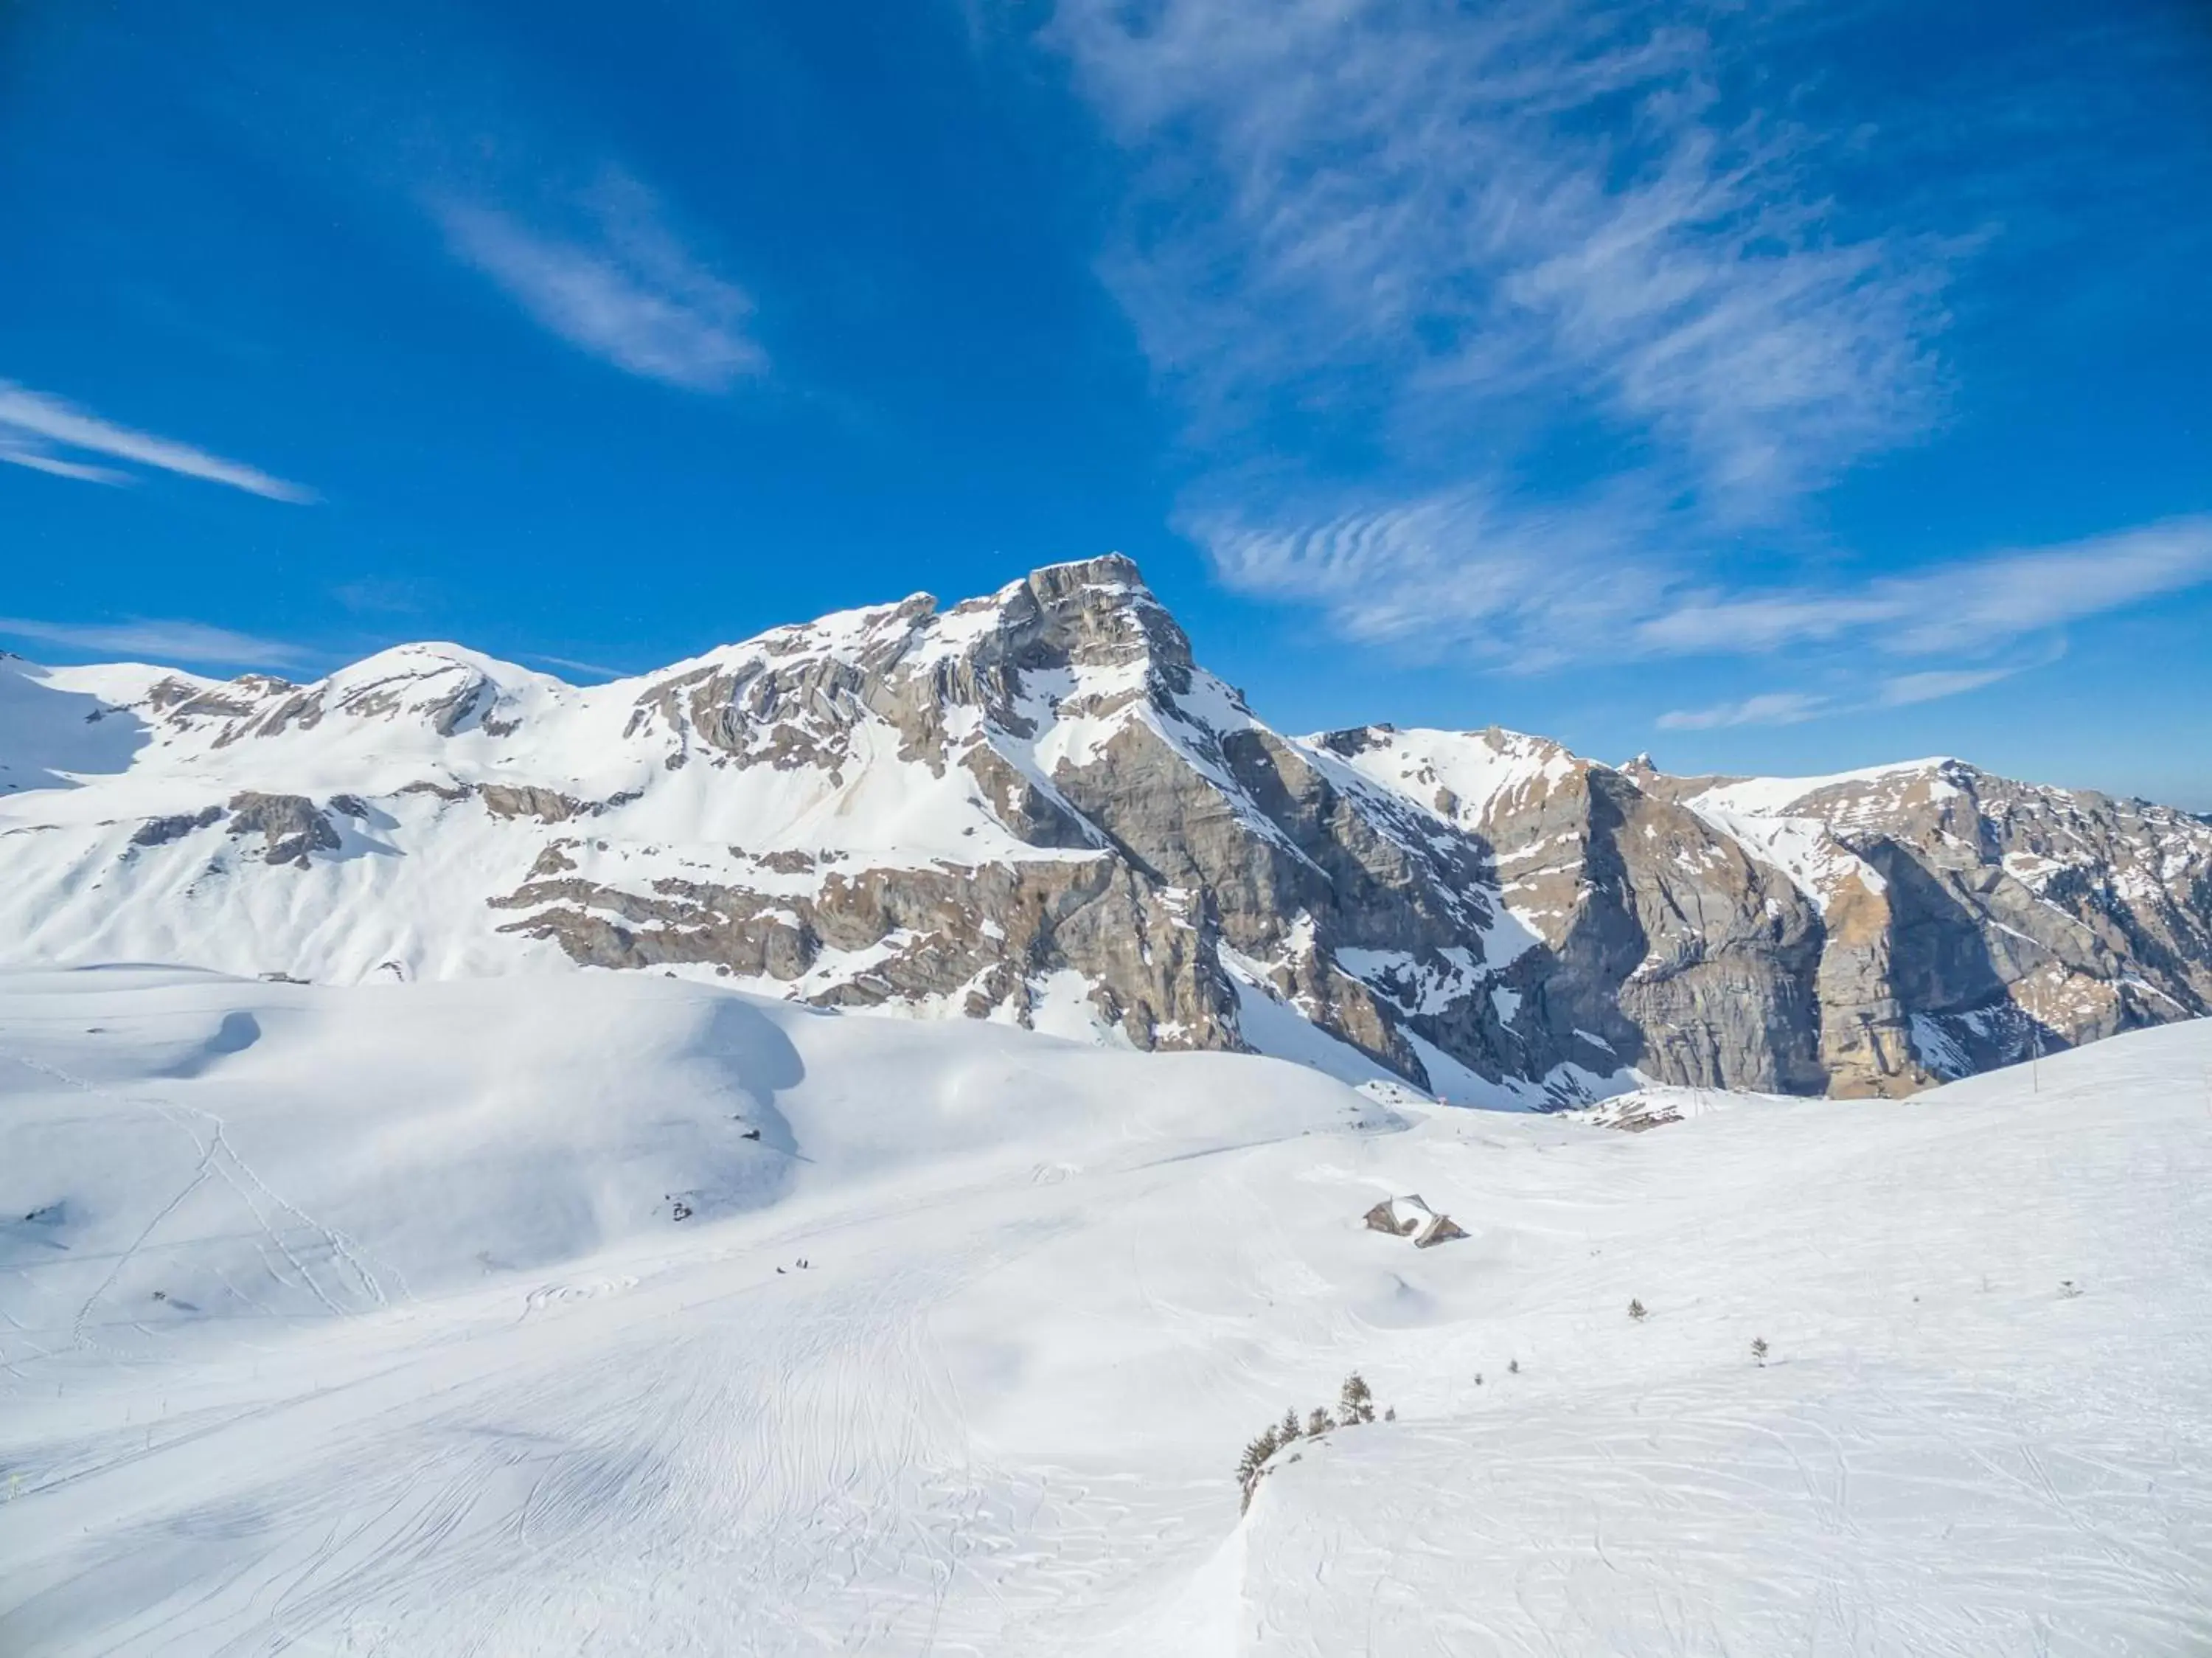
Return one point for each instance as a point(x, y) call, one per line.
point(1035, 806)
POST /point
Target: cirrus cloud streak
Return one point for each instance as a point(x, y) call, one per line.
point(1467, 572)
point(625, 291)
point(1445, 229)
point(159, 641)
point(34, 424)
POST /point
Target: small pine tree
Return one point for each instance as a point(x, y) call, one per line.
point(1513, 1366)
point(1638, 1311)
point(1759, 1349)
point(1253, 1463)
point(1354, 1402)
point(1287, 1430)
point(1319, 1422)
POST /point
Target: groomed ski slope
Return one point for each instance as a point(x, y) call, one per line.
point(360, 1321)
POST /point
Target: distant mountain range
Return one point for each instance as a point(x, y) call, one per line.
point(1035, 806)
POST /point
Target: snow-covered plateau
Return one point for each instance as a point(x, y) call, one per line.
point(600, 1311)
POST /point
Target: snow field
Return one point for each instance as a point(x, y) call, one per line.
point(435, 1368)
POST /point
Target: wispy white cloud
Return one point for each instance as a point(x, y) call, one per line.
point(1771, 708)
point(1904, 690)
point(17, 453)
point(1967, 605)
point(570, 662)
point(1463, 572)
point(626, 291)
point(157, 641)
point(1455, 224)
point(34, 425)
point(1796, 707)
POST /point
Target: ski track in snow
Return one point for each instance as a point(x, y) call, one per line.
point(1050, 1294)
point(218, 1159)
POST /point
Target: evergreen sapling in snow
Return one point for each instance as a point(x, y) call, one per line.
point(1253, 1463)
point(1355, 1402)
point(1355, 1405)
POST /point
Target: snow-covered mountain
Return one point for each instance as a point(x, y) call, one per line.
point(1035, 807)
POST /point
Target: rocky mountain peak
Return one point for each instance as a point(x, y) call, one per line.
point(1099, 613)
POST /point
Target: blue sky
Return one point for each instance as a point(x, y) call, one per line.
point(1780, 388)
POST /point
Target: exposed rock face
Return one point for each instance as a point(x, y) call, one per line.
point(1657, 942)
point(160, 831)
point(1037, 806)
point(966, 941)
point(1152, 822)
point(291, 826)
point(1975, 921)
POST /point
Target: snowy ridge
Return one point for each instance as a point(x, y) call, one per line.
point(1803, 847)
point(1035, 807)
point(420, 730)
point(1469, 777)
